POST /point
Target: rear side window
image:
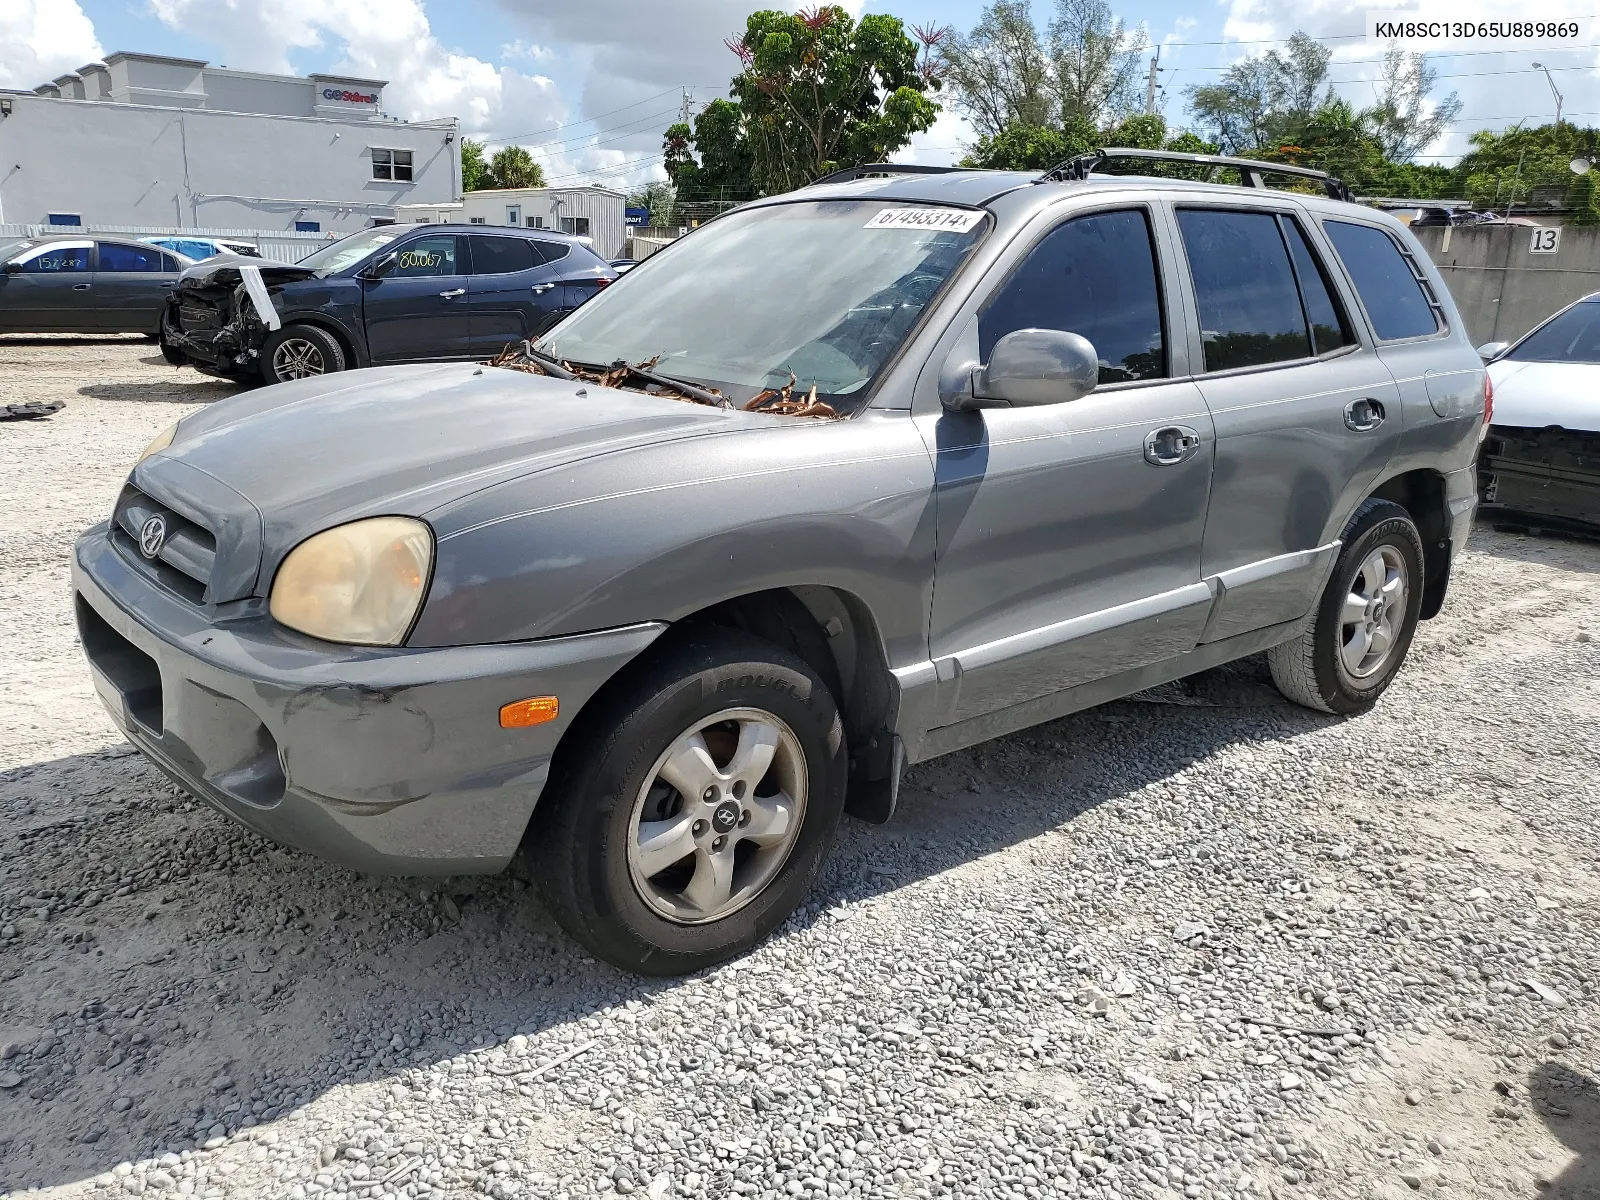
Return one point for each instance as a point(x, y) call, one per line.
point(1329, 328)
point(1250, 312)
point(492, 255)
point(1396, 298)
point(1574, 336)
point(1094, 276)
point(114, 256)
point(551, 251)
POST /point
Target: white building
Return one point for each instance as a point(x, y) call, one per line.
point(143, 140)
point(593, 212)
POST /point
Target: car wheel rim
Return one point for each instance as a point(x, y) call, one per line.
point(1374, 612)
point(718, 816)
point(297, 358)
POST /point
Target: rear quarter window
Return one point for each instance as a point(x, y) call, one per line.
point(1399, 304)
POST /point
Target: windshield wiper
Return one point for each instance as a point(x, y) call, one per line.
point(545, 361)
point(643, 371)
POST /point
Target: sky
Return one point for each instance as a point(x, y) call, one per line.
point(589, 86)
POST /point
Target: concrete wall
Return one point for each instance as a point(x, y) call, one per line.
point(1501, 289)
point(121, 164)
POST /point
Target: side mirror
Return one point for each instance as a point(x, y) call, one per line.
point(13, 268)
point(1491, 350)
point(1035, 366)
point(382, 266)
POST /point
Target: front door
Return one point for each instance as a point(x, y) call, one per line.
point(1306, 415)
point(417, 308)
point(50, 291)
point(1069, 535)
point(131, 285)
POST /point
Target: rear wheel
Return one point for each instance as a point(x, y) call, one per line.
point(1365, 620)
point(687, 819)
point(300, 352)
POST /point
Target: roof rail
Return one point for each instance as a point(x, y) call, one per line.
point(861, 172)
point(1250, 170)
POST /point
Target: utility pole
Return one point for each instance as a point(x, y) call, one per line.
point(683, 112)
point(1150, 83)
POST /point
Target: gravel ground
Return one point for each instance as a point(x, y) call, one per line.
point(1199, 944)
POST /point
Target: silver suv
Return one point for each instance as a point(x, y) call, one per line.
point(846, 479)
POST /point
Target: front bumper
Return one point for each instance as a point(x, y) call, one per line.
point(390, 761)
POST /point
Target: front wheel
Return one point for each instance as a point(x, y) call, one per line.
point(1365, 620)
point(688, 817)
point(300, 352)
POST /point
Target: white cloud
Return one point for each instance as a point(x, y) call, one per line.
point(382, 39)
point(40, 39)
point(944, 143)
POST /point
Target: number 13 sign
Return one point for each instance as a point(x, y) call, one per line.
point(1545, 240)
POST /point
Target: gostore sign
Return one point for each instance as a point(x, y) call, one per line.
point(352, 97)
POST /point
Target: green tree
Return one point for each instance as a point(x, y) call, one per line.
point(1503, 168)
point(1264, 100)
point(475, 173)
point(1096, 60)
point(821, 91)
point(1000, 74)
point(1020, 147)
point(1583, 204)
point(660, 199)
point(711, 163)
point(1401, 120)
point(513, 167)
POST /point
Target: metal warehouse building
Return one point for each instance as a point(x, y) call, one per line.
point(593, 212)
point(142, 140)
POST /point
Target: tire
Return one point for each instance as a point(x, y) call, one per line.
point(1329, 668)
point(300, 352)
point(598, 873)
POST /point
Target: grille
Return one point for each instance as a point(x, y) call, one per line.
point(187, 554)
point(198, 314)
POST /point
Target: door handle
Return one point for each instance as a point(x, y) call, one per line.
point(540, 289)
point(1364, 414)
point(1174, 444)
point(82, 287)
point(167, 285)
point(452, 294)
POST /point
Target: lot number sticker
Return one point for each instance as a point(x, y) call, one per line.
point(1545, 240)
point(956, 220)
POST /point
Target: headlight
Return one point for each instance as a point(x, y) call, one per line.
point(163, 440)
point(360, 583)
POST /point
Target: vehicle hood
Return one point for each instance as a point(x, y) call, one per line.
point(223, 270)
point(317, 452)
point(1535, 395)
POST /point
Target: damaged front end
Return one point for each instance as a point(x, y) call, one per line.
point(221, 312)
point(1545, 477)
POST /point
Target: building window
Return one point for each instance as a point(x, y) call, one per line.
point(308, 226)
point(392, 164)
point(72, 219)
point(575, 225)
point(536, 222)
point(480, 220)
point(513, 214)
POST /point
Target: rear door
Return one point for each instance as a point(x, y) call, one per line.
point(417, 309)
point(131, 283)
point(1306, 414)
point(513, 292)
point(51, 290)
point(576, 273)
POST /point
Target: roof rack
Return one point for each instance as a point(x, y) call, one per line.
point(861, 172)
point(1250, 170)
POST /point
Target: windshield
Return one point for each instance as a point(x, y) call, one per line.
point(825, 291)
point(348, 251)
point(1574, 336)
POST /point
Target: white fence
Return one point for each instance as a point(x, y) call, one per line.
point(278, 245)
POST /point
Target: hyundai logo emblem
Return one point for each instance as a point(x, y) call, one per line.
point(725, 817)
point(152, 536)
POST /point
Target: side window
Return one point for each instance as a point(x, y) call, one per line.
point(501, 255)
point(1397, 299)
point(58, 259)
point(1244, 287)
point(1329, 328)
point(551, 251)
point(427, 256)
point(168, 263)
point(1096, 276)
point(115, 256)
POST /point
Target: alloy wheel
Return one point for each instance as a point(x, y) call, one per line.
point(717, 816)
point(297, 358)
point(1374, 612)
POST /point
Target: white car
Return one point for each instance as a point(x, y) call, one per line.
point(1541, 457)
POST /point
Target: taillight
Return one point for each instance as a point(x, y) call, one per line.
point(1488, 406)
point(602, 282)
